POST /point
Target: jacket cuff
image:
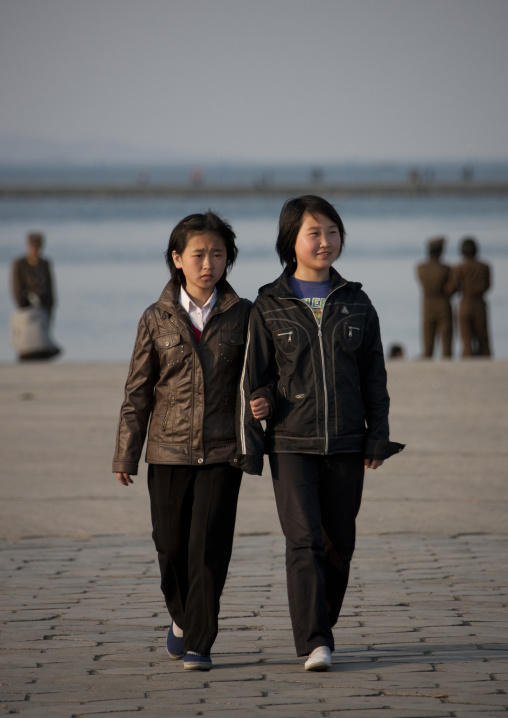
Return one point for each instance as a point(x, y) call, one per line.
point(381, 449)
point(124, 467)
point(248, 463)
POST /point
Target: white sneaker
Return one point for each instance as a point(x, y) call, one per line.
point(319, 660)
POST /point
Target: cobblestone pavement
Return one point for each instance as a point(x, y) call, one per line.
point(423, 633)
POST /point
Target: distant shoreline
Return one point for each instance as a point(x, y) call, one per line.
point(256, 190)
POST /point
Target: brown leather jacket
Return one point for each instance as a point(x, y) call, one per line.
point(187, 391)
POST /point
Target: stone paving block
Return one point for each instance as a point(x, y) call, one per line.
point(46, 699)
point(231, 654)
point(30, 710)
point(428, 687)
point(104, 707)
point(393, 638)
point(268, 705)
point(414, 702)
point(477, 695)
point(222, 676)
point(213, 692)
point(386, 712)
point(498, 673)
point(488, 712)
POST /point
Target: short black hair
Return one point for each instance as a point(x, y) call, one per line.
point(469, 247)
point(290, 222)
point(194, 224)
point(36, 239)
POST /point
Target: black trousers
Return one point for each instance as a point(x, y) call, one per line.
point(193, 518)
point(318, 498)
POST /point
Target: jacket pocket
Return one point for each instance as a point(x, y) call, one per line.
point(283, 404)
point(231, 346)
point(352, 334)
point(286, 339)
point(170, 348)
point(169, 414)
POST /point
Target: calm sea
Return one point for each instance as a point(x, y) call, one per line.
point(108, 259)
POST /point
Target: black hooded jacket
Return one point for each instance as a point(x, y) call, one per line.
point(326, 384)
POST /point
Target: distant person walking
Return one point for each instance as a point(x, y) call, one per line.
point(32, 283)
point(434, 276)
point(472, 279)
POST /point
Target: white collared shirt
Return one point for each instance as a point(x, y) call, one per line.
point(198, 315)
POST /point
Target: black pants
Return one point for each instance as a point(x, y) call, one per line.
point(193, 518)
point(318, 499)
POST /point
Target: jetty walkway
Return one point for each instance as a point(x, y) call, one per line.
point(423, 632)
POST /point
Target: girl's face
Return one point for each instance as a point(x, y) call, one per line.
point(203, 262)
point(317, 247)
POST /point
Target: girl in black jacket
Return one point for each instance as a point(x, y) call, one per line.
point(314, 369)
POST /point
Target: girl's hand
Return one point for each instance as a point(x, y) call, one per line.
point(123, 478)
point(373, 463)
point(260, 408)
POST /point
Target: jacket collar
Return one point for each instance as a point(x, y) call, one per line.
point(282, 289)
point(226, 297)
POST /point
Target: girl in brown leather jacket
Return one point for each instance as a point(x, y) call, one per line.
point(182, 384)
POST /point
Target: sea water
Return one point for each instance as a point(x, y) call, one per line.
point(108, 259)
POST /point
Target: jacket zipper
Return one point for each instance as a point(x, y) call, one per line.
point(286, 334)
point(325, 389)
point(323, 367)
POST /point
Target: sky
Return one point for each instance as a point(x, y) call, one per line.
point(262, 80)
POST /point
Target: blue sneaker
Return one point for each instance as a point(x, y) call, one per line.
point(174, 645)
point(195, 662)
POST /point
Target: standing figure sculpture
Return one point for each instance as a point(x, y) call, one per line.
point(434, 276)
point(472, 279)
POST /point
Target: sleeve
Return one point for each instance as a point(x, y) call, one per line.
point(257, 380)
point(17, 286)
point(452, 284)
point(374, 391)
point(51, 290)
point(488, 278)
point(138, 402)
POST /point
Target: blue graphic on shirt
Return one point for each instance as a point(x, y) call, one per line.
point(316, 304)
point(312, 293)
